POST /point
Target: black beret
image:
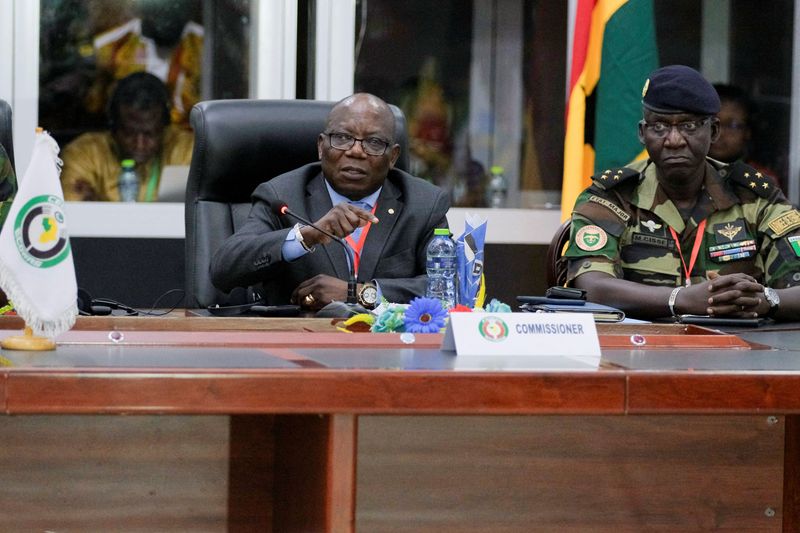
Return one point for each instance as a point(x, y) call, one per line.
point(679, 89)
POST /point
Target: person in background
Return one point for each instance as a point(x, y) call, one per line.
point(680, 233)
point(386, 215)
point(8, 189)
point(160, 39)
point(8, 185)
point(736, 116)
point(140, 129)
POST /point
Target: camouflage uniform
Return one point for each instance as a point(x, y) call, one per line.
point(8, 185)
point(620, 226)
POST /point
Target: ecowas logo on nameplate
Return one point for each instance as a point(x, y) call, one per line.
point(493, 329)
point(40, 231)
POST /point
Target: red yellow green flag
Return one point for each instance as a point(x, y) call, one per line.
point(613, 51)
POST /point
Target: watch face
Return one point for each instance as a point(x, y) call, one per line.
point(369, 295)
point(772, 296)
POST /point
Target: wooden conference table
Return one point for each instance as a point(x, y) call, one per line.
point(306, 428)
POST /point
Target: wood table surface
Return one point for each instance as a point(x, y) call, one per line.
point(306, 409)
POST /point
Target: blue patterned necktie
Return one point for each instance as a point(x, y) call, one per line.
point(366, 207)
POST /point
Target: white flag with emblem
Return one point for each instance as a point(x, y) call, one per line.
point(36, 269)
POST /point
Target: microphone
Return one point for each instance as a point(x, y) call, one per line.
point(333, 309)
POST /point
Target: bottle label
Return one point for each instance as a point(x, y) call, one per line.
point(441, 263)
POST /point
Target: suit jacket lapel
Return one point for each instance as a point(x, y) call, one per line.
point(388, 210)
point(318, 202)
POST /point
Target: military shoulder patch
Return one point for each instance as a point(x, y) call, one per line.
point(610, 205)
point(785, 223)
point(612, 177)
point(591, 238)
point(749, 178)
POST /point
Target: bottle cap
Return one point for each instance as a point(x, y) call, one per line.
point(441, 231)
point(128, 163)
point(496, 169)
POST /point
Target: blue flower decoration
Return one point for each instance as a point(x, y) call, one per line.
point(425, 315)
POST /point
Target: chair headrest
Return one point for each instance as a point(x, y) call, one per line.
point(242, 143)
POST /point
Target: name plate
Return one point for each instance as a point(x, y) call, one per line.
point(538, 334)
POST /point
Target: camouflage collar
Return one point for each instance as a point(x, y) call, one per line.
point(651, 197)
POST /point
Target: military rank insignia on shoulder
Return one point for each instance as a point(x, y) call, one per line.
point(749, 178)
point(610, 178)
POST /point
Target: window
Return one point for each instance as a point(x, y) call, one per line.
point(198, 48)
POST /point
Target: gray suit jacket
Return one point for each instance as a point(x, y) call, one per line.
point(409, 209)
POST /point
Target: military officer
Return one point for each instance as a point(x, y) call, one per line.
point(680, 233)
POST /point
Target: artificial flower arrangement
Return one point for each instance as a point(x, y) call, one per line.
point(422, 315)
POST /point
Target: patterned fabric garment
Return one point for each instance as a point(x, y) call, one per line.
point(8, 185)
point(92, 163)
point(621, 226)
point(124, 50)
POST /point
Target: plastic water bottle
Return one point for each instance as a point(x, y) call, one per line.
point(497, 188)
point(128, 183)
point(442, 267)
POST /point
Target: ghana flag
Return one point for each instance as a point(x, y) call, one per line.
point(613, 51)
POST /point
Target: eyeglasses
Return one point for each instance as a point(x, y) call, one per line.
point(370, 145)
point(686, 129)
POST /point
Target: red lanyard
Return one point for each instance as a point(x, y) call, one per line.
point(357, 246)
point(698, 240)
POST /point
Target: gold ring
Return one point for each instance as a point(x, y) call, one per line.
point(308, 300)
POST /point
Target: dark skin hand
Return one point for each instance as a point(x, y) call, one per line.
point(341, 221)
point(734, 295)
point(325, 289)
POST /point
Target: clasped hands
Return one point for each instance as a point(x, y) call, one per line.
point(735, 295)
point(341, 220)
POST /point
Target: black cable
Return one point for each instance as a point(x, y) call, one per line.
point(130, 311)
point(171, 309)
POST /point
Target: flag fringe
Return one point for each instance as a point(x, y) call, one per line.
point(24, 308)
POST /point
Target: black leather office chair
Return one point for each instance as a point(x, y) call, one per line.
point(238, 145)
point(556, 265)
point(6, 134)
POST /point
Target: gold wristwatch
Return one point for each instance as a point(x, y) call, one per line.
point(368, 295)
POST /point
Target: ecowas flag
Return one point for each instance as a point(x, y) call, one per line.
point(36, 269)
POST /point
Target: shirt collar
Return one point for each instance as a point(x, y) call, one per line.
point(337, 198)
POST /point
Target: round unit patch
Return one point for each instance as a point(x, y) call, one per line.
point(591, 238)
point(40, 231)
point(493, 329)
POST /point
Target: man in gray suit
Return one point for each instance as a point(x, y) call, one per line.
point(386, 216)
